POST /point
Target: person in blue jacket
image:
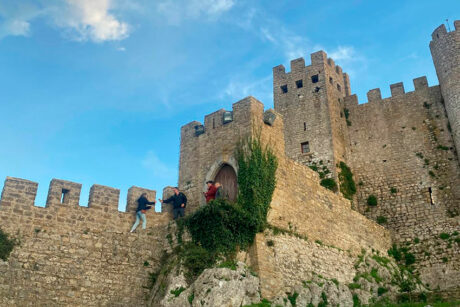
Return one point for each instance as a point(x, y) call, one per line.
point(142, 207)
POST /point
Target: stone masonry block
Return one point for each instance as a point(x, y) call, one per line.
point(133, 195)
point(18, 193)
point(420, 83)
point(62, 192)
point(374, 95)
point(397, 89)
point(104, 198)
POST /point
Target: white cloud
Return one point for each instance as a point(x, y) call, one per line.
point(261, 89)
point(157, 168)
point(82, 20)
point(175, 11)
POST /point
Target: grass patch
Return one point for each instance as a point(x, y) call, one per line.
point(293, 298)
point(444, 236)
point(394, 190)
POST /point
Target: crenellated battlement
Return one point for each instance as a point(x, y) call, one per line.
point(18, 198)
point(242, 112)
point(297, 67)
point(397, 91)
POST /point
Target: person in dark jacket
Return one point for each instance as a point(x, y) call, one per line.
point(179, 202)
point(220, 192)
point(142, 207)
point(211, 193)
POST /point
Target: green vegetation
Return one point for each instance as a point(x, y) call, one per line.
point(426, 105)
point(146, 263)
point(381, 220)
point(432, 174)
point(176, 292)
point(372, 200)
point(416, 240)
point(354, 285)
point(263, 303)
point(394, 190)
point(229, 264)
point(270, 243)
point(293, 298)
point(441, 147)
point(221, 228)
point(346, 112)
point(6, 245)
point(444, 236)
point(329, 184)
point(324, 301)
point(356, 301)
point(191, 297)
point(381, 291)
point(419, 154)
point(347, 184)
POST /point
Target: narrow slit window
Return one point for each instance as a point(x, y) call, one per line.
point(430, 192)
point(284, 89)
point(304, 126)
point(299, 83)
point(339, 87)
point(305, 147)
point(331, 81)
point(314, 79)
point(213, 123)
point(64, 196)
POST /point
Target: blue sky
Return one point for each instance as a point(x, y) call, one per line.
point(95, 91)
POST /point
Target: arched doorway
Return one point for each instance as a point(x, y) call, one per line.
point(227, 177)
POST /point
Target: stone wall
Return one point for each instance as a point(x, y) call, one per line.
point(76, 256)
point(283, 261)
point(202, 156)
point(445, 50)
point(299, 203)
point(403, 153)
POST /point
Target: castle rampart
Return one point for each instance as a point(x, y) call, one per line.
point(74, 255)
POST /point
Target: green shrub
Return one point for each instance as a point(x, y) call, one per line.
point(270, 243)
point(347, 184)
point(394, 190)
point(444, 236)
point(6, 245)
point(191, 297)
point(329, 184)
point(381, 291)
point(229, 264)
point(293, 298)
point(324, 301)
point(356, 301)
point(409, 258)
point(445, 260)
point(441, 147)
point(354, 285)
point(381, 220)
point(432, 174)
point(176, 292)
point(416, 240)
point(372, 200)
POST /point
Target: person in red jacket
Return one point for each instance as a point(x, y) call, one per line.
point(211, 193)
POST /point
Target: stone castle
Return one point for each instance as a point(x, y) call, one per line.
point(401, 150)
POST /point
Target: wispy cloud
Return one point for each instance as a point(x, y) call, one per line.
point(176, 11)
point(152, 163)
point(238, 88)
point(81, 20)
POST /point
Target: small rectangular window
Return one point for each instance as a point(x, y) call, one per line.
point(339, 87)
point(284, 89)
point(64, 196)
point(314, 79)
point(304, 126)
point(305, 146)
point(299, 83)
point(331, 81)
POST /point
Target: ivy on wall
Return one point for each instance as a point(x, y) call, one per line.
point(6, 245)
point(347, 184)
point(220, 228)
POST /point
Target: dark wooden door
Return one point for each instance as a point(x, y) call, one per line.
point(227, 177)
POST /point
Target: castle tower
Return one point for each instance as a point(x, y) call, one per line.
point(310, 98)
point(445, 50)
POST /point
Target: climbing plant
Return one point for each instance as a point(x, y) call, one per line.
point(221, 227)
point(6, 245)
point(347, 184)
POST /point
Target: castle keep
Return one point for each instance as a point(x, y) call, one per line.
point(402, 150)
